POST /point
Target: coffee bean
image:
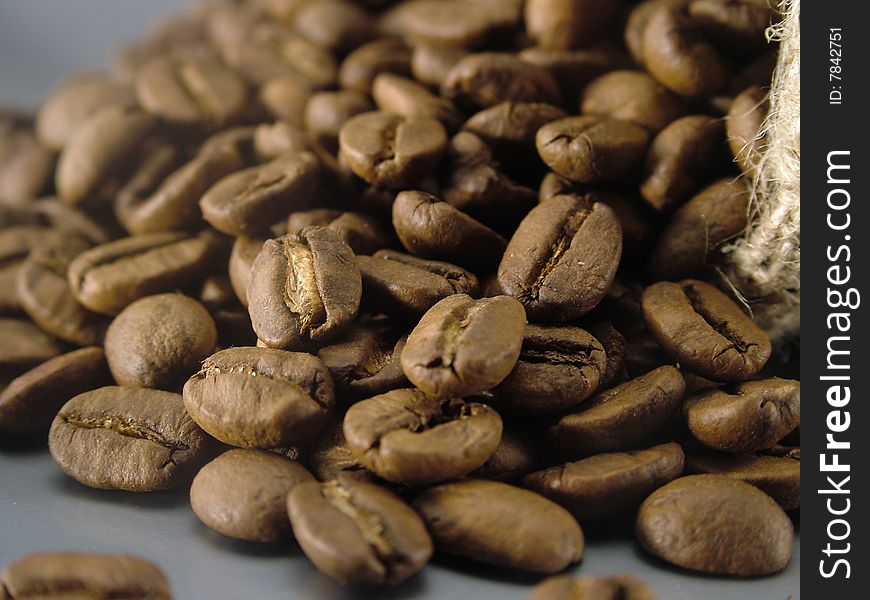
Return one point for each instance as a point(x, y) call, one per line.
point(25, 167)
point(330, 457)
point(158, 341)
point(776, 474)
point(637, 21)
point(682, 155)
point(627, 416)
point(25, 345)
point(124, 438)
point(99, 146)
point(284, 98)
point(736, 27)
point(715, 524)
point(408, 437)
point(245, 251)
point(334, 24)
point(363, 233)
point(304, 289)
point(590, 148)
point(613, 587)
point(502, 525)
point(515, 456)
point(389, 150)
point(485, 79)
point(566, 24)
point(743, 125)
point(362, 66)
point(405, 287)
point(407, 98)
point(615, 346)
point(606, 484)
point(433, 229)
point(271, 140)
point(689, 242)
point(752, 415)
point(249, 201)
point(430, 63)
point(53, 213)
point(69, 574)
point(107, 278)
point(463, 346)
point(30, 402)
point(159, 158)
point(446, 23)
point(573, 69)
point(632, 96)
point(242, 494)
point(558, 368)
point(562, 258)
point(358, 533)
point(327, 112)
point(703, 329)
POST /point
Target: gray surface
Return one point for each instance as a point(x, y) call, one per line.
point(42, 41)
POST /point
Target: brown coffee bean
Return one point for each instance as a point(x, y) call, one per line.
point(677, 53)
point(387, 55)
point(271, 140)
point(606, 484)
point(777, 475)
point(405, 287)
point(502, 525)
point(284, 98)
point(25, 345)
point(562, 258)
point(717, 525)
point(245, 251)
point(402, 96)
point(516, 455)
point(615, 345)
point(449, 23)
point(681, 157)
point(304, 288)
point(100, 145)
point(358, 533)
point(485, 79)
point(158, 341)
point(736, 27)
point(53, 213)
point(330, 457)
point(613, 587)
point(430, 63)
point(25, 166)
point(509, 128)
point(463, 346)
point(408, 437)
point(336, 25)
point(242, 494)
point(627, 416)
point(125, 438)
point(703, 329)
point(573, 69)
point(752, 415)
point(389, 150)
point(249, 201)
point(590, 148)
point(689, 243)
point(327, 112)
point(632, 96)
point(16, 243)
point(558, 368)
point(566, 24)
point(69, 574)
point(260, 397)
point(743, 126)
point(363, 233)
point(30, 402)
point(159, 158)
point(107, 278)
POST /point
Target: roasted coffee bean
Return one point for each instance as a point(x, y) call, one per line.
point(99, 146)
point(74, 574)
point(743, 126)
point(715, 524)
point(591, 148)
point(463, 346)
point(562, 258)
point(430, 63)
point(637, 22)
point(363, 233)
point(16, 243)
point(405, 287)
point(606, 484)
point(736, 27)
point(704, 330)
point(408, 437)
point(245, 251)
point(387, 55)
point(677, 53)
point(632, 96)
point(449, 23)
point(558, 368)
point(573, 69)
point(681, 156)
point(25, 345)
point(243, 493)
point(304, 289)
point(260, 397)
point(159, 158)
point(248, 202)
point(30, 402)
point(390, 150)
point(198, 90)
point(615, 346)
point(158, 341)
point(366, 360)
point(502, 525)
point(407, 98)
point(271, 140)
point(566, 24)
point(25, 167)
point(330, 456)
point(625, 417)
point(337, 25)
point(327, 112)
point(688, 244)
point(358, 533)
point(125, 438)
point(216, 293)
point(776, 474)
point(752, 415)
point(515, 456)
point(107, 278)
point(612, 587)
point(53, 213)
point(285, 98)
point(485, 79)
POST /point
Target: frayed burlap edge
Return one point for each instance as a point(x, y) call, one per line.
point(763, 266)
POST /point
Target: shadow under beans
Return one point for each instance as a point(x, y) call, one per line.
point(485, 571)
point(234, 546)
point(323, 588)
point(162, 500)
point(22, 445)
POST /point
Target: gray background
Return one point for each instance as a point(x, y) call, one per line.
point(41, 42)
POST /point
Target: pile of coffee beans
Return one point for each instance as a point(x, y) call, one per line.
point(400, 279)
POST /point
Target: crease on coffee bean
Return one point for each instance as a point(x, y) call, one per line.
point(570, 227)
point(194, 86)
point(448, 411)
point(723, 328)
point(451, 334)
point(387, 151)
point(127, 428)
point(113, 258)
point(312, 390)
point(297, 295)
